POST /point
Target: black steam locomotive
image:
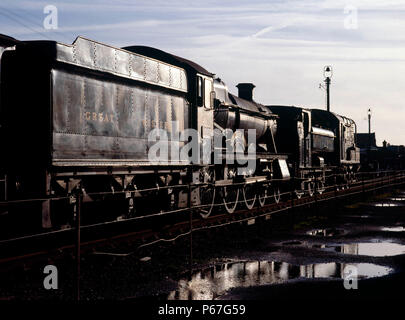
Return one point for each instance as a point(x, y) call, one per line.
point(80, 117)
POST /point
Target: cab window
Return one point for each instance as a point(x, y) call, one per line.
point(200, 91)
point(207, 92)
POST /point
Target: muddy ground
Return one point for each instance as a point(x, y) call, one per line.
point(299, 254)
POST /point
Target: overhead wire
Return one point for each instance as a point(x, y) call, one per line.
point(20, 19)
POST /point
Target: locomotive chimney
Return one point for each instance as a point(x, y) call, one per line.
point(245, 91)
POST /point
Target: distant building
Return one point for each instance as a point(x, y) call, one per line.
point(373, 157)
point(365, 140)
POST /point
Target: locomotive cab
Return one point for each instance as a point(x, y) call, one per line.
point(200, 96)
point(205, 109)
point(6, 44)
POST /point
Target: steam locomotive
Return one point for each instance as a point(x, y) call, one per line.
point(80, 117)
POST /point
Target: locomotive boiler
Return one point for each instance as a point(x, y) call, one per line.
point(241, 114)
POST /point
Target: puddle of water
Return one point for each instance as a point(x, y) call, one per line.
point(212, 282)
point(386, 204)
point(397, 199)
point(375, 249)
point(393, 229)
point(330, 232)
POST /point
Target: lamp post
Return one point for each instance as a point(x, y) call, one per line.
point(327, 73)
point(369, 128)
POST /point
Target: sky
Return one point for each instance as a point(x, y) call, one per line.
point(280, 46)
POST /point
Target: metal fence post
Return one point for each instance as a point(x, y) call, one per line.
point(382, 182)
point(315, 196)
point(375, 180)
point(5, 188)
point(78, 208)
point(191, 228)
point(292, 200)
point(335, 193)
point(389, 181)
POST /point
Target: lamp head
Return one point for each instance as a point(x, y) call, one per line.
point(327, 72)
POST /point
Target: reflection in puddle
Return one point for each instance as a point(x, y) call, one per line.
point(393, 229)
point(397, 199)
point(212, 282)
point(330, 232)
point(386, 204)
point(375, 249)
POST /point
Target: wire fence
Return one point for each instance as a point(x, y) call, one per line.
point(273, 191)
point(273, 195)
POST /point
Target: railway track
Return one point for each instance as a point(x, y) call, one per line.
point(51, 246)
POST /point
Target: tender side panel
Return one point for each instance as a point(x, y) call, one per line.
point(97, 56)
point(100, 122)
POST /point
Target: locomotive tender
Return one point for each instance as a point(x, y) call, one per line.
point(78, 117)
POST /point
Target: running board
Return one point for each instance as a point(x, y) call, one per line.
point(250, 180)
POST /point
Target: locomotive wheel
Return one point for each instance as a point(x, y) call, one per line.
point(276, 194)
point(262, 195)
point(207, 193)
point(320, 187)
point(299, 193)
point(310, 187)
point(249, 196)
point(346, 180)
point(230, 198)
point(344, 186)
point(353, 178)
